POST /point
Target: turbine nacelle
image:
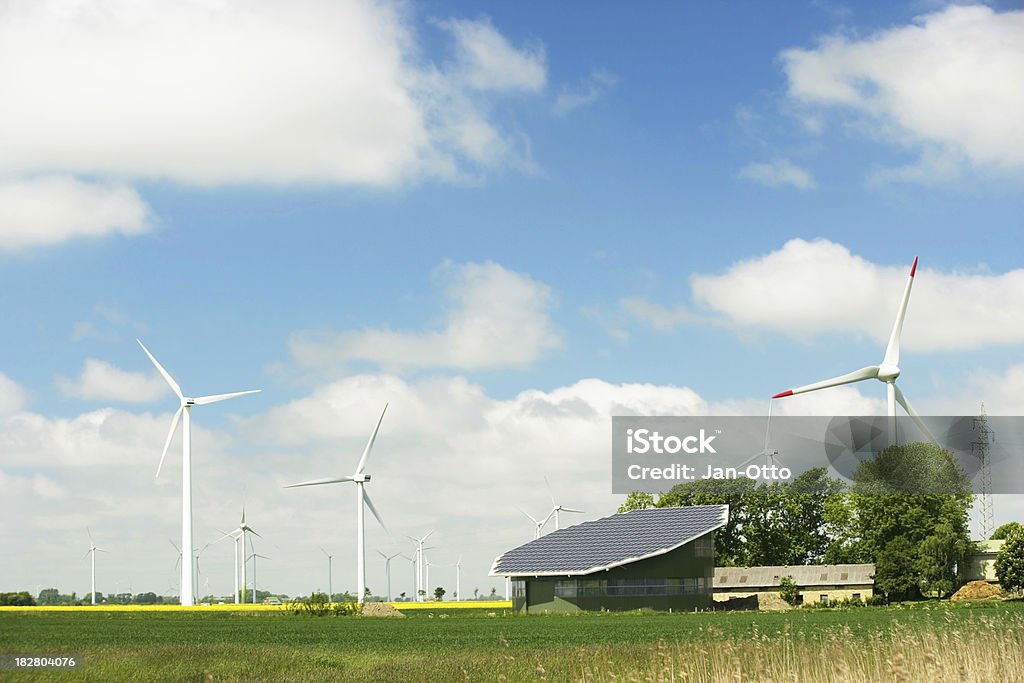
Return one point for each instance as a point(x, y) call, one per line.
point(888, 372)
point(361, 478)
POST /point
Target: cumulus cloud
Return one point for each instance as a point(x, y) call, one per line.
point(778, 173)
point(660, 317)
point(947, 85)
point(808, 288)
point(45, 210)
point(12, 396)
point(237, 92)
point(584, 94)
point(496, 318)
point(101, 381)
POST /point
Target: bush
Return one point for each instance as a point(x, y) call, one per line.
point(317, 605)
point(1010, 562)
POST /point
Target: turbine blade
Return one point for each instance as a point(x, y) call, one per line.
point(89, 531)
point(170, 435)
point(902, 400)
point(206, 400)
point(530, 516)
point(892, 350)
point(381, 554)
point(174, 544)
point(317, 482)
point(166, 375)
point(768, 425)
point(369, 504)
point(253, 532)
point(369, 444)
point(870, 372)
point(550, 492)
point(571, 510)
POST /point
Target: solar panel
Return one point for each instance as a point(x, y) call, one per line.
point(611, 541)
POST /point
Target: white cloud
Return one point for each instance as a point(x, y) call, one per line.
point(948, 85)
point(314, 91)
point(45, 210)
point(497, 318)
point(584, 94)
point(778, 173)
point(810, 288)
point(12, 396)
point(660, 317)
point(101, 381)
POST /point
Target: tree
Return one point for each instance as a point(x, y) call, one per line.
point(19, 599)
point(637, 500)
point(1010, 562)
point(788, 590)
point(476, 593)
point(439, 593)
point(908, 515)
point(49, 596)
point(1006, 530)
point(494, 593)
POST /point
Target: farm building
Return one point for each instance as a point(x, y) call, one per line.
point(658, 558)
point(983, 561)
point(815, 582)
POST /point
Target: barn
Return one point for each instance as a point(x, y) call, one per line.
point(658, 558)
point(816, 583)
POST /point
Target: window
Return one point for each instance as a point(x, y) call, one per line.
point(823, 598)
point(582, 588)
point(855, 596)
point(565, 588)
point(518, 589)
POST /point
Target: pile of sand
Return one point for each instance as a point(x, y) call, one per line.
point(380, 609)
point(772, 602)
point(978, 590)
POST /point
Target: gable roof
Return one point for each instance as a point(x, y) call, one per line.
point(803, 575)
point(611, 541)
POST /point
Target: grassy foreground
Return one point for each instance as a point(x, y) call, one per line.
point(933, 642)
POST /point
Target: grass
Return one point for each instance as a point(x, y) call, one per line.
point(933, 641)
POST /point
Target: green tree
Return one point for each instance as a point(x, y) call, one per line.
point(637, 500)
point(788, 590)
point(1010, 562)
point(439, 593)
point(49, 596)
point(19, 599)
point(908, 515)
point(1006, 530)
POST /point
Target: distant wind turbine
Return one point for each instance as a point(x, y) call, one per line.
point(253, 558)
point(93, 549)
point(240, 531)
point(387, 568)
point(185, 415)
point(458, 578)
point(330, 575)
point(419, 563)
point(887, 371)
point(538, 524)
point(360, 478)
point(555, 507)
point(768, 453)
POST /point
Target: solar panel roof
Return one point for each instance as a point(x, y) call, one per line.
point(611, 541)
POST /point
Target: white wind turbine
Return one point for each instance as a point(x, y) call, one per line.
point(418, 561)
point(768, 453)
point(235, 536)
point(555, 507)
point(458, 578)
point(362, 500)
point(239, 534)
point(253, 558)
point(185, 415)
point(538, 524)
point(387, 568)
point(330, 575)
point(887, 371)
point(93, 549)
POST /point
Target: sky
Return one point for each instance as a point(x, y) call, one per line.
point(508, 221)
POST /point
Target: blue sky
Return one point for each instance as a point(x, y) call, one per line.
point(510, 220)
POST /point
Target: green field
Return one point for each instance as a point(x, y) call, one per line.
point(936, 641)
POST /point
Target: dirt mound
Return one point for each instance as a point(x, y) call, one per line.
point(380, 609)
point(771, 602)
point(977, 590)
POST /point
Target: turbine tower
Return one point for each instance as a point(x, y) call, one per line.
point(185, 415)
point(418, 561)
point(93, 549)
point(887, 371)
point(458, 578)
point(359, 477)
point(538, 524)
point(239, 534)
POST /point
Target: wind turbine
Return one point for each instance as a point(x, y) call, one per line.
point(359, 477)
point(555, 507)
point(458, 579)
point(253, 558)
point(415, 572)
point(767, 452)
point(241, 530)
point(537, 523)
point(93, 549)
point(185, 415)
point(330, 576)
point(887, 371)
point(419, 563)
point(236, 536)
point(387, 568)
